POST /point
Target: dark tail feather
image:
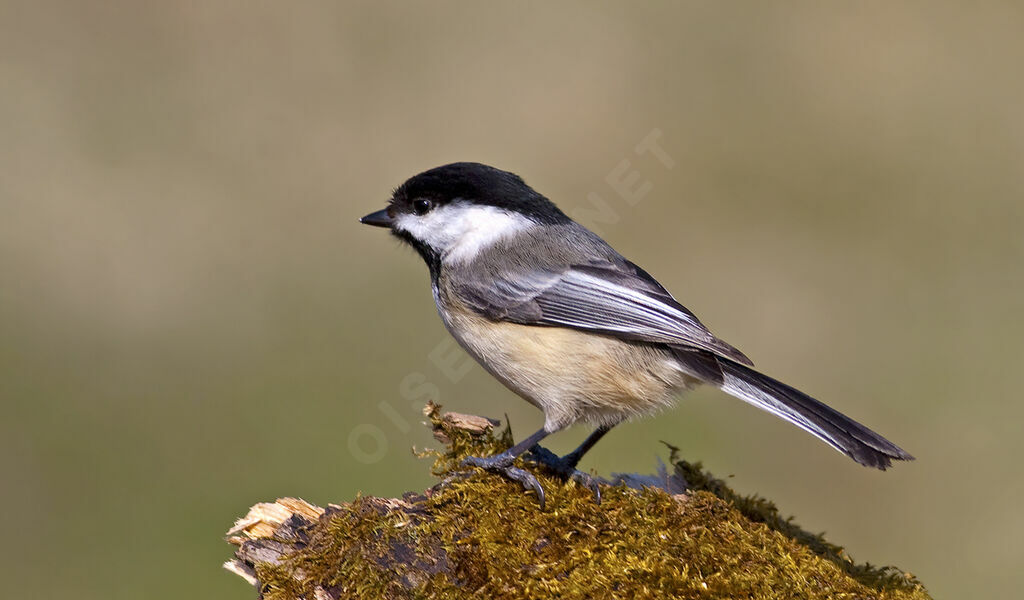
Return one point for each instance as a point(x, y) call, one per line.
point(832, 427)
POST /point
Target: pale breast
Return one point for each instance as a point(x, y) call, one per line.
point(569, 374)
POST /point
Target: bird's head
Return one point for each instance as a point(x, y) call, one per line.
point(453, 211)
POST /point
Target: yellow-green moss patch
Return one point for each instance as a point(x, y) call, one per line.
point(483, 536)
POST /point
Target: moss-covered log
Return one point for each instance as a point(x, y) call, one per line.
point(678, 534)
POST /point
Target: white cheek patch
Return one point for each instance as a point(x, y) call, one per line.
point(458, 231)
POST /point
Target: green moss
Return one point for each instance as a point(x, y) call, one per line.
point(459, 443)
point(483, 536)
point(343, 552)
point(762, 510)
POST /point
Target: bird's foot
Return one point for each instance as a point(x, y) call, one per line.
point(502, 464)
point(565, 468)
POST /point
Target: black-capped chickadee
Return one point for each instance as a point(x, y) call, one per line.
point(563, 320)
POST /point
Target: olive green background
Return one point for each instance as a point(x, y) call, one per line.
point(191, 319)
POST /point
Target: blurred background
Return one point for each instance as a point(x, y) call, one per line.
point(192, 321)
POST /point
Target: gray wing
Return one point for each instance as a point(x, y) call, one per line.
point(616, 298)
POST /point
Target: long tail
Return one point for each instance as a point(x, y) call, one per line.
point(832, 427)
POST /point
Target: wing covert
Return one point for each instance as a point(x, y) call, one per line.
point(617, 299)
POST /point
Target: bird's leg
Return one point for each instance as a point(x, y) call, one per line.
point(573, 458)
point(502, 463)
point(565, 467)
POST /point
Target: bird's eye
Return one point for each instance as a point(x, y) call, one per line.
point(422, 206)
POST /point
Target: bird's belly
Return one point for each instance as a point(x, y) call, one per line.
point(572, 375)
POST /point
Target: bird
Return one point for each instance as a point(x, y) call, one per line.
point(562, 319)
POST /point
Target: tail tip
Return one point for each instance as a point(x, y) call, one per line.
point(879, 459)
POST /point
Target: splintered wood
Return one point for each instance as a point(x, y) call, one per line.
point(264, 518)
point(263, 521)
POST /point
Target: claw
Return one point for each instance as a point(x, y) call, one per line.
point(566, 469)
point(528, 481)
point(502, 464)
point(588, 481)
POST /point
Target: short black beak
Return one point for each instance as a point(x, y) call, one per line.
point(381, 218)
